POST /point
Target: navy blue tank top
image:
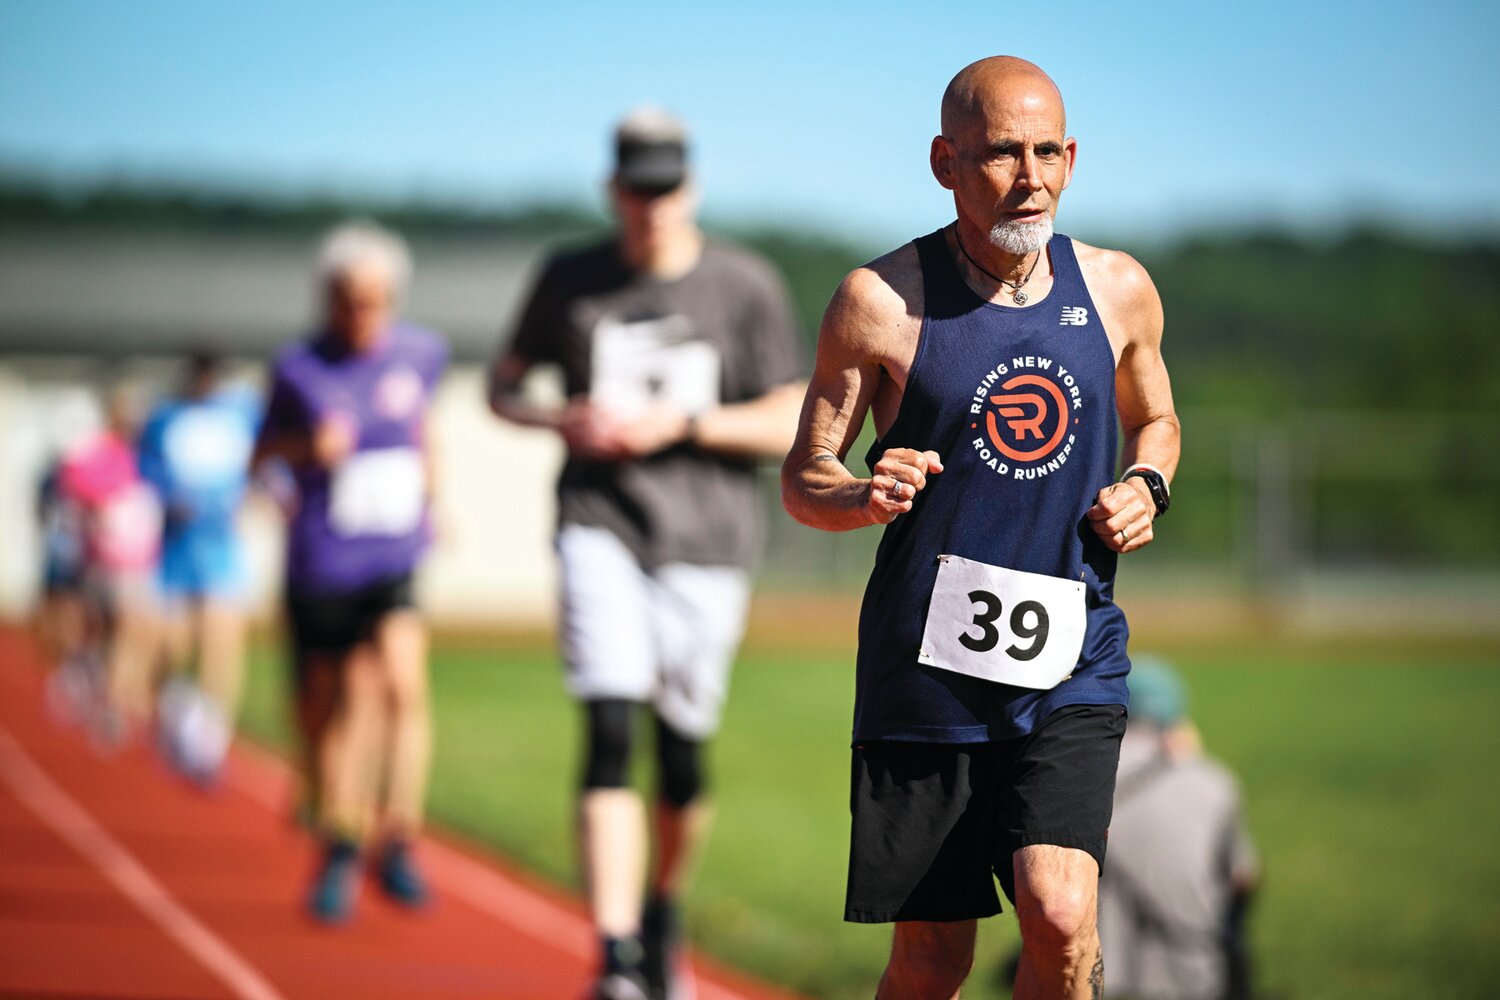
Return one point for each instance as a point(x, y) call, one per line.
point(1019, 475)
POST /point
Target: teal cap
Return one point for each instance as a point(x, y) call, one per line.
point(1157, 694)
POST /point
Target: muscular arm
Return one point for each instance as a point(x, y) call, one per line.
point(865, 318)
point(1143, 391)
point(1124, 515)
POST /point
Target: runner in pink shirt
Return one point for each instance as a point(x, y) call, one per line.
point(122, 543)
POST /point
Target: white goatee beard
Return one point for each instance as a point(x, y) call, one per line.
point(1022, 237)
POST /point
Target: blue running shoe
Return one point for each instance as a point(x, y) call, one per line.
point(332, 898)
point(399, 877)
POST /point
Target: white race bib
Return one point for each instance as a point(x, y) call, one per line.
point(640, 363)
point(378, 492)
point(208, 447)
point(1003, 625)
point(127, 528)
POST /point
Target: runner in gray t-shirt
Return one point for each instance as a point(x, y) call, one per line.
point(720, 333)
point(680, 369)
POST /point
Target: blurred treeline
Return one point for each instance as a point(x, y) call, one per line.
point(1352, 384)
point(1340, 396)
point(28, 201)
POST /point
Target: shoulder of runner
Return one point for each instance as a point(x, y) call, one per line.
point(1129, 306)
point(877, 308)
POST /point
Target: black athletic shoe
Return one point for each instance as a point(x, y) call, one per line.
point(666, 973)
point(620, 986)
point(622, 978)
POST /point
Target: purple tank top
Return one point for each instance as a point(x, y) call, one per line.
point(365, 521)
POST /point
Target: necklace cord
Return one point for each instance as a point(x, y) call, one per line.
point(993, 276)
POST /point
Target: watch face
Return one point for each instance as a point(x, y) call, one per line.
point(1156, 485)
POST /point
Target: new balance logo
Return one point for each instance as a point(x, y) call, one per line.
point(1074, 316)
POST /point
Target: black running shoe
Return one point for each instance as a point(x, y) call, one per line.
point(620, 986)
point(622, 978)
point(666, 972)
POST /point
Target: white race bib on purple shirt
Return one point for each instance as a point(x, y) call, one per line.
point(378, 492)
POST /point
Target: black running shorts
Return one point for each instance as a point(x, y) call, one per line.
point(935, 823)
point(336, 623)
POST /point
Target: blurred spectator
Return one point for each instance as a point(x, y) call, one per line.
point(1181, 866)
point(195, 450)
point(678, 358)
point(348, 415)
point(121, 520)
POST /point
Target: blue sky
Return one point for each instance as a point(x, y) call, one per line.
point(1187, 114)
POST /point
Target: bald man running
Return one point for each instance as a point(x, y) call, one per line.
point(997, 358)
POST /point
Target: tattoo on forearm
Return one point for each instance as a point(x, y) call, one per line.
point(825, 457)
point(1096, 979)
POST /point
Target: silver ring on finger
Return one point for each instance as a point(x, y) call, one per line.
point(1124, 537)
point(896, 490)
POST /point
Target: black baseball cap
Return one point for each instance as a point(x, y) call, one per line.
point(650, 152)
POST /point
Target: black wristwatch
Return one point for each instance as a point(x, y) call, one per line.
point(1160, 495)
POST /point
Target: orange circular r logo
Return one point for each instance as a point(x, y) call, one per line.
point(1027, 416)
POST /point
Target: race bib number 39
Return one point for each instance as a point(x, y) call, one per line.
point(1003, 625)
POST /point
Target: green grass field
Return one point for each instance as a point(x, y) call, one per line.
point(1371, 771)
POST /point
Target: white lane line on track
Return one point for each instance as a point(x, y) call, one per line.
point(482, 887)
point(69, 820)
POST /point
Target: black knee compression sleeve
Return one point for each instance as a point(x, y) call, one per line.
point(606, 760)
point(681, 766)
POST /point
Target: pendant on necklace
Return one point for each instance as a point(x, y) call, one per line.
point(1019, 297)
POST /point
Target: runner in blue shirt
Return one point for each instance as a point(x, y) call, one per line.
point(195, 451)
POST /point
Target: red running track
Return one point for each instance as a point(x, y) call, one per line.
point(118, 880)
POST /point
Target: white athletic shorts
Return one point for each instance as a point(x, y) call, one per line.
point(667, 637)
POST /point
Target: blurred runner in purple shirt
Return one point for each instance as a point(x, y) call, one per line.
point(362, 520)
point(348, 416)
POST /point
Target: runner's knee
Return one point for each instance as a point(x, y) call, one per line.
point(1059, 918)
point(400, 645)
point(408, 692)
point(609, 724)
point(680, 763)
